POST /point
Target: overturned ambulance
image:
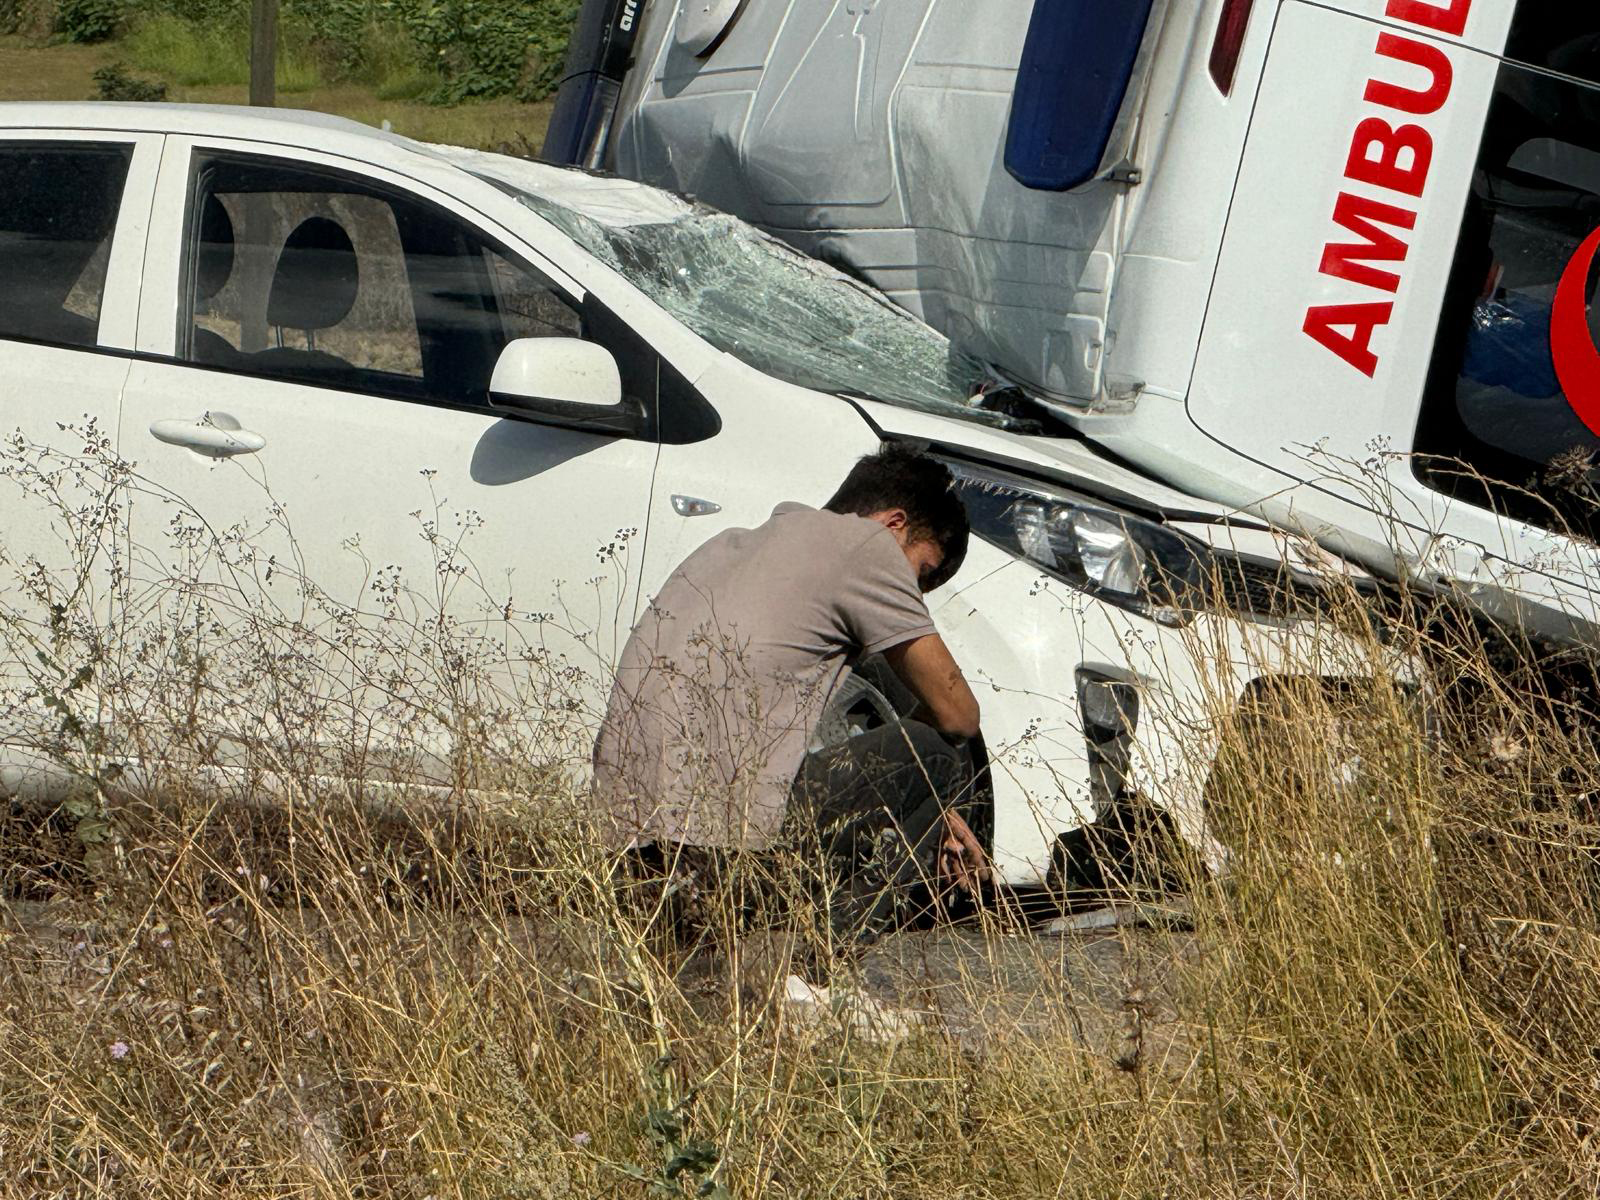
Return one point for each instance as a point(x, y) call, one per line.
point(1331, 263)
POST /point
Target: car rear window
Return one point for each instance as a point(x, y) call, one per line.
point(58, 207)
point(1511, 418)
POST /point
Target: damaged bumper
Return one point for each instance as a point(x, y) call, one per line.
point(1083, 701)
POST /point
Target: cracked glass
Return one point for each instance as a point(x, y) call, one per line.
point(781, 312)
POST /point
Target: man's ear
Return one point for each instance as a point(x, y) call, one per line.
point(895, 519)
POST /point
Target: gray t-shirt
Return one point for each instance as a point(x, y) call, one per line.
point(727, 673)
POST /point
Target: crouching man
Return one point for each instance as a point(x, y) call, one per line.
point(706, 751)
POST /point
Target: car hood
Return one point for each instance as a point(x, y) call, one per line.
point(1067, 461)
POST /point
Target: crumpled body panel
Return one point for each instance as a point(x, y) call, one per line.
point(871, 134)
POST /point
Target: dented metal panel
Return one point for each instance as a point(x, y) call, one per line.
point(901, 183)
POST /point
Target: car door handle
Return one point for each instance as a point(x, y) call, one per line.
point(216, 434)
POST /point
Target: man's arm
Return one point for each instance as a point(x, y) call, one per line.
point(926, 666)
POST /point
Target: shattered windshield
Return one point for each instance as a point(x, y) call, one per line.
point(783, 313)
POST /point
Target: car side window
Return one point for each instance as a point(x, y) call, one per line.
point(58, 210)
point(320, 278)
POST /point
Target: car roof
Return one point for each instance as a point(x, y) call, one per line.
point(284, 126)
point(608, 199)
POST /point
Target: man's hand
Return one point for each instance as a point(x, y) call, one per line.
point(961, 859)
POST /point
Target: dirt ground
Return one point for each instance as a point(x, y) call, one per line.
point(1113, 987)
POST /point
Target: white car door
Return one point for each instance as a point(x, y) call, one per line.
point(73, 211)
point(381, 546)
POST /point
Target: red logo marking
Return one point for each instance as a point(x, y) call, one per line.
point(1571, 344)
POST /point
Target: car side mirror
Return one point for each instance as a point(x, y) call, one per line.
point(565, 382)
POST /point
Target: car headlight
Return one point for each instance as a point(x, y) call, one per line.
point(1113, 555)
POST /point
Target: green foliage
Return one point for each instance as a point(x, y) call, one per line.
point(391, 65)
point(189, 53)
point(450, 50)
point(443, 51)
point(89, 20)
point(114, 83)
point(299, 67)
point(33, 17)
point(686, 1161)
point(490, 47)
point(210, 14)
point(217, 54)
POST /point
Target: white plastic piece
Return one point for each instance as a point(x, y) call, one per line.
point(702, 22)
point(798, 991)
point(565, 370)
point(850, 1009)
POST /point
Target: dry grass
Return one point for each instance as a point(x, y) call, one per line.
point(301, 981)
point(31, 70)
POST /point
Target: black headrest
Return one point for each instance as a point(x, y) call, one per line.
point(214, 262)
point(317, 278)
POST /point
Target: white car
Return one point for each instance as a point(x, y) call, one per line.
point(386, 337)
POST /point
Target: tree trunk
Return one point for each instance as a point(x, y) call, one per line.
point(263, 52)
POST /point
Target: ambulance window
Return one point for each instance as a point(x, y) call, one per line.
point(1560, 37)
point(1511, 418)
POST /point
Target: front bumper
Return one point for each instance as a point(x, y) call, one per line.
point(1025, 640)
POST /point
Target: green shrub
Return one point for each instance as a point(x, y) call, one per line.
point(114, 83)
point(88, 20)
point(491, 48)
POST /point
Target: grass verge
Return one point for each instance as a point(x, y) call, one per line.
point(190, 55)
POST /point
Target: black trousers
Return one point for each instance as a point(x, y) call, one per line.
point(875, 806)
point(865, 823)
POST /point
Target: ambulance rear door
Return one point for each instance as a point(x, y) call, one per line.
point(1399, 337)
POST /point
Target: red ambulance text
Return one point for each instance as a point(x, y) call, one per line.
point(1390, 155)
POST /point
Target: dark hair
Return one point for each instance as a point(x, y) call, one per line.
point(901, 476)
